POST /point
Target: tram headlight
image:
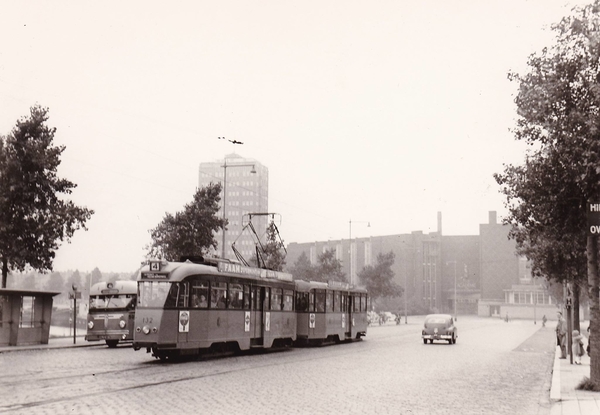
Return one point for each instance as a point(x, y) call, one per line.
point(146, 330)
point(90, 324)
point(122, 324)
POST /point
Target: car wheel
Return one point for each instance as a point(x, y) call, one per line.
point(453, 340)
point(430, 341)
point(424, 341)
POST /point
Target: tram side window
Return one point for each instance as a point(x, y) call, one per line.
point(171, 300)
point(236, 296)
point(345, 303)
point(320, 301)
point(329, 304)
point(218, 295)
point(311, 302)
point(337, 304)
point(276, 297)
point(301, 301)
point(199, 293)
point(254, 300)
point(288, 300)
point(363, 303)
point(267, 298)
point(247, 297)
point(356, 303)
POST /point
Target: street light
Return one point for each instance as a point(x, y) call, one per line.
point(253, 171)
point(350, 239)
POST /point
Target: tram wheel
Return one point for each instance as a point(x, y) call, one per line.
point(112, 343)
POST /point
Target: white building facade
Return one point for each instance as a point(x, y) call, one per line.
point(246, 183)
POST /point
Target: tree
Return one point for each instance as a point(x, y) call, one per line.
point(379, 279)
point(547, 218)
point(56, 282)
point(274, 250)
point(33, 215)
point(190, 232)
point(558, 104)
point(96, 276)
point(328, 268)
point(302, 268)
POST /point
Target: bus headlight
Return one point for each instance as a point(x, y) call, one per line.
point(90, 324)
point(122, 324)
point(146, 330)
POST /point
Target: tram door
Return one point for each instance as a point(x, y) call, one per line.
point(259, 310)
point(348, 314)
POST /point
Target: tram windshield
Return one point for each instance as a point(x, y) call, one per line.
point(112, 302)
point(153, 293)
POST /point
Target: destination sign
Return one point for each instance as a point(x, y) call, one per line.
point(110, 291)
point(153, 276)
point(257, 272)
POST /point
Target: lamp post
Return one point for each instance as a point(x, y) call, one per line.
point(253, 171)
point(350, 243)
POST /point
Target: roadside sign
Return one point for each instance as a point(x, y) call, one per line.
point(75, 295)
point(593, 219)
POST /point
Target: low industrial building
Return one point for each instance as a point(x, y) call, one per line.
point(474, 274)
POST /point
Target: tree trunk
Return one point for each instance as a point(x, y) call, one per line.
point(576, 292)
point(4, 272)
point(592, 270)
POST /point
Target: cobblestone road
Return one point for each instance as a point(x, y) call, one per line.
point(494, 368)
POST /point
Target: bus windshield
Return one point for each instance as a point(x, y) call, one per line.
point(153, 293)
point(112, 301)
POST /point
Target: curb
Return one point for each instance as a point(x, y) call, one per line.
point(555, 388)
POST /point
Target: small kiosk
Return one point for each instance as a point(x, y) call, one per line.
point(25, 316)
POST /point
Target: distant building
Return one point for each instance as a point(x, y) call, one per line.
point(473, 274)
point(247, 187)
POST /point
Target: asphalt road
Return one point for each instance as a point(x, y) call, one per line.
point(494, 368)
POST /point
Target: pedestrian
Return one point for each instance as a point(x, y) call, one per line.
point(561, 335)
point(588, 341)
point(544, 319)
point(577, 346)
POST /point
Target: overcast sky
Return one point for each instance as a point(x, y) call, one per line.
point(372, 111)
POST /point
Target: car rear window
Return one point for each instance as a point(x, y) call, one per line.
point(437, 321)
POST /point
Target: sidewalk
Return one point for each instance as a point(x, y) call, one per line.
point(60, 337)
point(565, 398)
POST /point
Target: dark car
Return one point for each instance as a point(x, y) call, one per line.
point(439, 327)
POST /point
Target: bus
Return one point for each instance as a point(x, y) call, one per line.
point(331, 312)
point(111, 312)
point(196, 305)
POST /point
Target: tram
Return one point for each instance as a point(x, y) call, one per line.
point(330, 312)
point(185, 308)
point(111, 312)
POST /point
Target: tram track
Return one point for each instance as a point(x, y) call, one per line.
point(154, 373)
point(169, 373)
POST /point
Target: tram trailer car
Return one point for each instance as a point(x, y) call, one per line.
point(330, 312)
point(111, 312)
point(185, 308)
